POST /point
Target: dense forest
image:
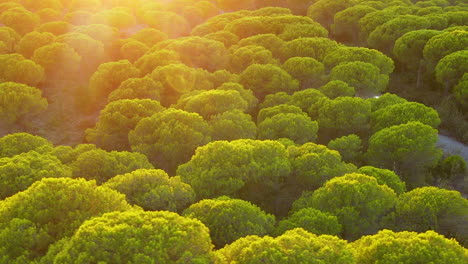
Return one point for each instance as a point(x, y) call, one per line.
point(233, 131)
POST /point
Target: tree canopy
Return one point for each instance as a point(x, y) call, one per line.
point(20, 102)
point(408, 247)
point(50, 210)
point(138, 236)
point(255, 169)
point(358, 200)
point(169, 138)
point(117, 119)
point(230, 219)
point(17, 143)
point(233, 131)
point(294, 246)
point(406, 149)
point(153, 190)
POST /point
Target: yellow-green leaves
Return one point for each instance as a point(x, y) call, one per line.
point(15, 68)
point(153, 190)
point(19, 102)
point(388, 247)
point(230, 219)
point(138, 237)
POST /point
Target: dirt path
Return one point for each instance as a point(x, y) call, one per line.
point(452, 146)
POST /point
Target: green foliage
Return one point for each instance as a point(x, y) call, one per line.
point(403, 113)
point(19, 102)
point(230, 219)
point(9, 37)
point(311, 220)
point(451, 167)
point(294, 246)
point(170, 137)
point(383, 37)
point(117, 119)
point(55, 27)
point(179, 79)
point(351, 54)
point(267, 79)
point(138, 237)
point(334, 89)
point(20, 240)
point(299, 6)
point(295, 31)
point(21, 171)
point(461, 91)
point(137, 88)
point(451, 68)
point(275, 99)
point(385, 100)
point(198, 52)
point(32, 41)
point(309, 100)
point(170, 23)
point(67, 155)
point(408, 48)
point(319, 78)
point(408, 247)
point(230, 5)
point(149, 36)
point(119, 18)
point(316, 48)
point(345, 25)
point(363, 76)
point(232, 125)
point(443, 44)
point(14, 144)
point(269, 112)
point(19, 19)
point(297, 127)
point(269, 41)
point(350, 147)
point(246, 94)
point(313, 164)
point(227, 38)
point(324, 11)
point(15, 68)
point(90, 50)
point(153, 190)
point(248, 169)
point(359, 202)
point(221, 77)
point(249, 26)
point(151, 60)
point(386, 177)
point(244, 56)
point(51, 209)
point(47, 55)
point(371, 21)
point(35, 5)
point(109, 76)
point(213, 102)
point(308, 71)
point(431, 208)
point(3, 48)
point(406, 149)
point(49, 14)
point(100, 165)
point(343, 116)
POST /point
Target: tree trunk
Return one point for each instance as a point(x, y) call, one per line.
point(446, 88)
point(419, 78)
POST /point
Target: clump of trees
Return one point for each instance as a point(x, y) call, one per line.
point(232, 131)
